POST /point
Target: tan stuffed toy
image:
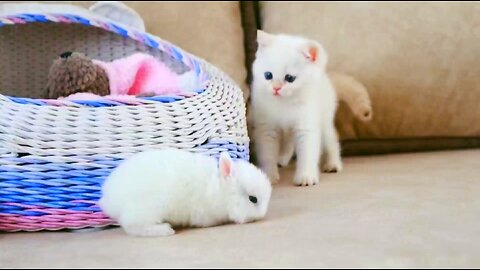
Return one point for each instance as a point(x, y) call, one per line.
point(74, 73)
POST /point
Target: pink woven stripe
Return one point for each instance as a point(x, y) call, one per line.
point(6, 21)
point(55, 219)
point(17, 20)
point(63, 19)
point(15, 227)
point(127, 100)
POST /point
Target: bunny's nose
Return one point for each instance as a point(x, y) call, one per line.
point(66, 54)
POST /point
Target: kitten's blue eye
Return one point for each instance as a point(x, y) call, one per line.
point(268, 75)
point(289, 78)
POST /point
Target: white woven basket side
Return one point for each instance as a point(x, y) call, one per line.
point(218, 114)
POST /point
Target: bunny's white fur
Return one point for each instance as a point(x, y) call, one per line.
point(152, 191)
point(300, 116)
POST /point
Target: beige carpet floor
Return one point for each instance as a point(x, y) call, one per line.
point(405, 210)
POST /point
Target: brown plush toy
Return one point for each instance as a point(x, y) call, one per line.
point(74, 73)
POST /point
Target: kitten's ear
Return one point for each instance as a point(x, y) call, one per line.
point(225, 165)
point(315, 53)
point(264, 38)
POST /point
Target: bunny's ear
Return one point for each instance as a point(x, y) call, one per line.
point(225, 165)
point(118, 12)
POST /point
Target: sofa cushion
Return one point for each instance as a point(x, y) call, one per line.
point(419, 62)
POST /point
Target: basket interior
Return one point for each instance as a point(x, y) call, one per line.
point(28, 50)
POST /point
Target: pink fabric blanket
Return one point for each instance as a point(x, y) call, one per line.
point(140, 75)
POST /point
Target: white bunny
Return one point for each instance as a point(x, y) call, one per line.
point(152, 191)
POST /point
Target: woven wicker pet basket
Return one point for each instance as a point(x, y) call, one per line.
point(55, 154)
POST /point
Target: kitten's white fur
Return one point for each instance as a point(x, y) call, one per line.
point(153, 191)
point(301, 118)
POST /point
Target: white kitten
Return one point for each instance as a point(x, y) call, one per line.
point(293, 102)
point(153, 191)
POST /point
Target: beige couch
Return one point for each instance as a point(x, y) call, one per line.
point(420, 63)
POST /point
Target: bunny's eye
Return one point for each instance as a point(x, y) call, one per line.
point(253, 199)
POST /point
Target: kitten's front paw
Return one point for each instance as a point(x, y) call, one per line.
point(306, 179)
point(284, 160)
point(274, 177)
point(332, 167)
point(272, 174)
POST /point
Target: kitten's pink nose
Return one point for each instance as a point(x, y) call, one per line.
point(276, 91)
